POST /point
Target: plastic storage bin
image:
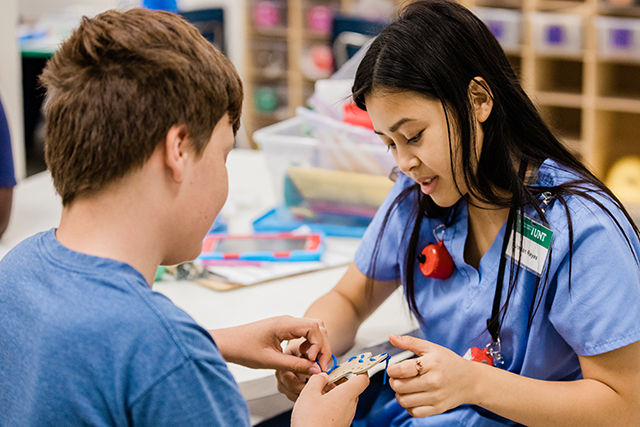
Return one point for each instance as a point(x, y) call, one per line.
point(268, 15)
point(270, 59)
point(313, 141)
point(618, 37)
point(318, 16)
point(271, 101)
point(557, 33)
point(505, 24)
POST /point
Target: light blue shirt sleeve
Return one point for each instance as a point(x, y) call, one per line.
point(197, 393)
point(601, 310)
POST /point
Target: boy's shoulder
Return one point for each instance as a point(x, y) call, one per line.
point(71, 317)
point(102, 303)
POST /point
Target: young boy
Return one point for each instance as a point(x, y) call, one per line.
point(141, 114)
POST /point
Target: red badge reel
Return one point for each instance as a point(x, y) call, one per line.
point(435, 260)
point(481, 355)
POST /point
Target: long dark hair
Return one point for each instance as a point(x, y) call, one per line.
point(436, 48)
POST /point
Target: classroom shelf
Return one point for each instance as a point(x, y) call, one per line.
point(589, 96)
point(288, 23)
point(591, 99)
point(560, 99)
point(621, 131)
point(623, 105)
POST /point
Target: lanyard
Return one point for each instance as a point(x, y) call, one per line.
point(493, 323)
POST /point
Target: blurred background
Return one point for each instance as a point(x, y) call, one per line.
point(578, 59)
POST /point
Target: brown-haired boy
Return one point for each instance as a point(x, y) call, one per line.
point(141, 114)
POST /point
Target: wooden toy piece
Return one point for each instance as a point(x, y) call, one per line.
point(356, 365)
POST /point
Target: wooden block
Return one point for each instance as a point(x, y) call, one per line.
point(356, 365)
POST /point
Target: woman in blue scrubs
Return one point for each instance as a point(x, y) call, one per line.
point(509, 250)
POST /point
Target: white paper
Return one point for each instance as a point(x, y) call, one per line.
point(338, 252)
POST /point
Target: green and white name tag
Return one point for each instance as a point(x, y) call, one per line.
point(535, 244)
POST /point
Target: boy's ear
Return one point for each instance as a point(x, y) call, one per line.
point(481, 98)
point(177, 150)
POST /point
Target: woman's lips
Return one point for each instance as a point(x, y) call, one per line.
point(428, 185)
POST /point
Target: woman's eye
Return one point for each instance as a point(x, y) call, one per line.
point(391, 146)
point(415, 138)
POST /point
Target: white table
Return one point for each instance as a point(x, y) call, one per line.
point(38, 208)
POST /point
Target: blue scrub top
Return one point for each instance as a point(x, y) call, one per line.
point(7, 176)
point(598, 314)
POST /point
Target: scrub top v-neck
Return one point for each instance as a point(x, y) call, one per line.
point(596, 315)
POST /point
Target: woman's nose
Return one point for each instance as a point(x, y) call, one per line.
point(407, 160)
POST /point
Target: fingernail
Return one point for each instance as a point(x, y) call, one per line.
point(315, 369)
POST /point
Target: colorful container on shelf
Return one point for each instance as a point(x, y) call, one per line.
point(319, 19)
point(269, 14)
point(271, 100)
point(505, 25)
point(559, 33)
point(618, 37)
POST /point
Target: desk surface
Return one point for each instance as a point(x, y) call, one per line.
point(37, 208)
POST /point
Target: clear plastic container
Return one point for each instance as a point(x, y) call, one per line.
point(505, 24)
point(557, 32)
point(310, 140)
point(618, 37)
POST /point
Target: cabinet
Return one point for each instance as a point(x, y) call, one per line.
point(287, 50)
point(587, 90)
point(589, 93)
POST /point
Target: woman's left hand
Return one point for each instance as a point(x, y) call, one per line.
point(436, 381)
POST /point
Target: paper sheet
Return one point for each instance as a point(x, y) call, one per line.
point(338, 252)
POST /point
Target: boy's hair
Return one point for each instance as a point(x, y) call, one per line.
point(116, 87)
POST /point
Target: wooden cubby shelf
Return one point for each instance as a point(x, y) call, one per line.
point(591, 98)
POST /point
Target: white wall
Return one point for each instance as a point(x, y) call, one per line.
point(234, 16)
point(33, 9)
point(11, 81)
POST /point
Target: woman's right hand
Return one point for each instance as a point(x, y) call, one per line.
point(334, 408)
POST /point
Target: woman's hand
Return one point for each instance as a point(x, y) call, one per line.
point(259, 344)
point(438, 380)
point(335, 408)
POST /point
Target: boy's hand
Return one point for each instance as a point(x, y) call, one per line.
point(291, 383)
point(259, 344)
point(335, 408)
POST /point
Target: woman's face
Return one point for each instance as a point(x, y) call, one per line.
point(415, 130)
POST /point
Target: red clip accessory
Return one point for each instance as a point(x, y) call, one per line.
point(435, 260)
point(481, 355)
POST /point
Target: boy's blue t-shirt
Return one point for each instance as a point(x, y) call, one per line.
point(85, 341)
point(7, 175)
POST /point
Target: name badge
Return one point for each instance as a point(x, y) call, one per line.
point(536, 242)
